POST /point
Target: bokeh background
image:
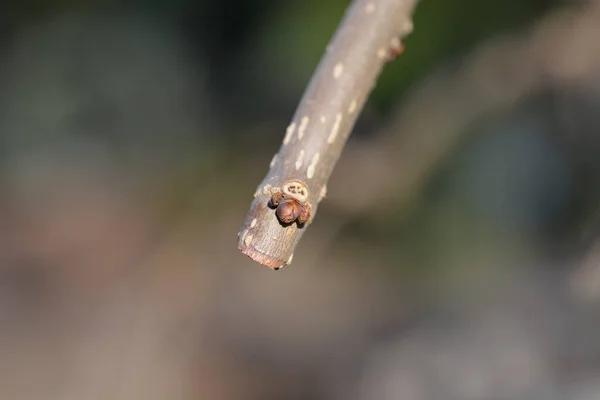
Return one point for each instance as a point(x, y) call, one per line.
point(454, 258)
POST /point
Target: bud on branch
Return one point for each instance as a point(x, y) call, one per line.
point(370, 34)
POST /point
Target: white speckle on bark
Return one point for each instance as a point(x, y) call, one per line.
point(273, 161)
point(335, 129)
point(289, 261)
point(323, 119)
point(310, 172)
point(352, 107)
point(248, 240)
point(289, 132)
point(338, 70)
point(266, 190)
point(253, 223)
point(370, 7)
point(302, 127)
point(300, 160)
point(381, 53)
point(323, 193)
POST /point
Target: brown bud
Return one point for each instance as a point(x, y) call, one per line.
point(288, 211)
point(304, 215)
point(277, 198)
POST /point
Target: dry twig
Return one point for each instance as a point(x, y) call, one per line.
point(558, 52)
point(368, 36)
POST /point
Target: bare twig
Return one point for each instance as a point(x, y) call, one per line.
point(557, 52)
point(368, 36)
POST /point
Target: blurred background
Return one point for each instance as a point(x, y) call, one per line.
point(133, 134)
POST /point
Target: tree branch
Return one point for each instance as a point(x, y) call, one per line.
point(558, 52)
point(368, 36)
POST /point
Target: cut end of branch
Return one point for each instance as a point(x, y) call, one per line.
point(264, 238)
point(261, 258)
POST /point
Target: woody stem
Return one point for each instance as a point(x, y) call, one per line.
point(327, 112)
